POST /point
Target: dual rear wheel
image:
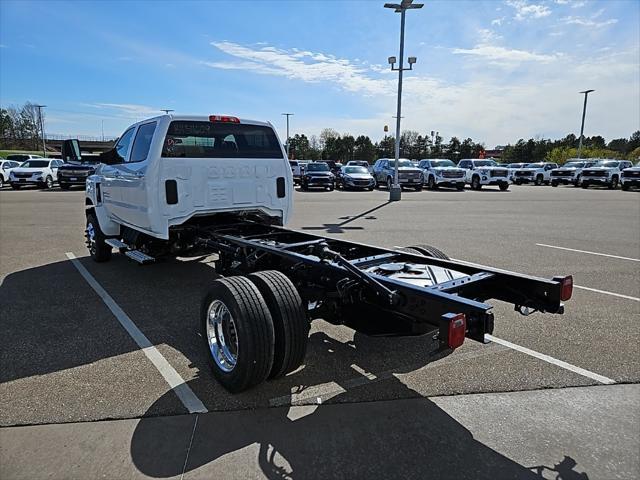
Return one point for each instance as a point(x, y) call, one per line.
point(255, 328)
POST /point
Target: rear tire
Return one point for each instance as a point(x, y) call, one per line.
point(475, 183)
point(48, 183)
point(625, 186)
point(460, 187)
point(15, 186)
point(539, 180)
point(614, 183)
point(65, 186)
point(419, 188)
point(1, 181)
point(554, 184)
point(290, 323)
point(431, 183)
point(240, 349)
point(428, 251)
point(389, 183)
point(585, 185)
point(504, 186)
point(98, 249)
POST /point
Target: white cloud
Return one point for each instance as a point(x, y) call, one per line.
point(525, 10)
point(505, 56)
point(498, 21)
point(587, 22)
point(301, 65)
point(128, 110)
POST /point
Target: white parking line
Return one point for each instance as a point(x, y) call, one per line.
point(628, 297)
point(554, 361)
point(590, 253)
point(189, 399)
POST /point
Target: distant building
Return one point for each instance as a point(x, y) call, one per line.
point(495, 153)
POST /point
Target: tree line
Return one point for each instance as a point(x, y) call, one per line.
point(20, 128)
point(330, 145)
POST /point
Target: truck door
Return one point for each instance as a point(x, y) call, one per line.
point(132, 180)
point(111, 176)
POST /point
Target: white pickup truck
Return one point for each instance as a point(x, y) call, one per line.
point(570, 172)
point(605, 172)
point(536, 173)
point(480, 172)
point(219, 185)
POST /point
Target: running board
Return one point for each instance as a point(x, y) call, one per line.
point(139, 257)
point(115, 243)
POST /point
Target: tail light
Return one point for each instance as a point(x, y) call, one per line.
point(454, 327)
point(223, 119)
point(566, 288)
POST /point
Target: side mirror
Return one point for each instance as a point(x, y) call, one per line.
point(111, 157)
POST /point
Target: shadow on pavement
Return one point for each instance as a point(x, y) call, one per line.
point(342, 227)
point(404, 438)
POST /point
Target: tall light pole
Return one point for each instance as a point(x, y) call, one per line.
point(396, 191)
point(584, 112)
point(287, 115)
point(44, 146)
point(102, 130)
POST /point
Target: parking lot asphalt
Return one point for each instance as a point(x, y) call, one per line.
point(65, 357)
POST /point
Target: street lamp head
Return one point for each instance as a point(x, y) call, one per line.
point(392, 60)
point(588, 91)
point(412, 60)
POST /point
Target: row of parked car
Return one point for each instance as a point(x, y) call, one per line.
point(21, 170)
point(436, 173)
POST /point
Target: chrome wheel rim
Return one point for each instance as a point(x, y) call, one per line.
point(222, 336)
point(49, 183)
point(91, 238)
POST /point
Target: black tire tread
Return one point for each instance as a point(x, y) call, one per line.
point(103, 251)
point(429, 251)
point(290, 322)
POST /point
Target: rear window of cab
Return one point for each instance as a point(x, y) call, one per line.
point(201, 139)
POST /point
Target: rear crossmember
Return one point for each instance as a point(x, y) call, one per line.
point(339, 281)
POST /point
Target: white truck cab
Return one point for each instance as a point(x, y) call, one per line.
point(479, 172)
point(570, 172)
point(439, 172)
point(169, 170)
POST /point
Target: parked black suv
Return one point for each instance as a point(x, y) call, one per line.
point(318, 174)
point(76, 167)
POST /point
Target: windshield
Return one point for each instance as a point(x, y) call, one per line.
point(35, 164)
point(293, 164)
point(485, 163)
point(442, 163)
point(317, 167)
point(200, 139)
point(574, 165)
point(516, 165)
point(357, 163)
point(355, 170)
point(607, 163)
point(535, 165)
point(20, 158)
point(401, 163)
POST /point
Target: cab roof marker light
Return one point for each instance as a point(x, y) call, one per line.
point(223, 119)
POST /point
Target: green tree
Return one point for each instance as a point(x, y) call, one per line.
point(364, 149)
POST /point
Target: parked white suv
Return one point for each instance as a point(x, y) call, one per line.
point(570, 172)
point(6, 166)
point(437, 172)
point(630, 177)
point(536, 173)
point(39, 171)
point(169, 170)
point(484, 172)
point(605, 172)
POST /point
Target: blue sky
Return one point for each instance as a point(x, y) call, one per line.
point(495, 71)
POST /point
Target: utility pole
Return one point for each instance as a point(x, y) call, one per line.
point(44, 145)
point(395, 192)
point(288, 115)
point(103, 130)
point(584, 112)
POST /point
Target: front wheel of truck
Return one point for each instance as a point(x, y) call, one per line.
point(98, 249)
point(238, 331)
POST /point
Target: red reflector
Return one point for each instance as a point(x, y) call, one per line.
point(567, 288)
point(223, 119)
point(457, 328)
